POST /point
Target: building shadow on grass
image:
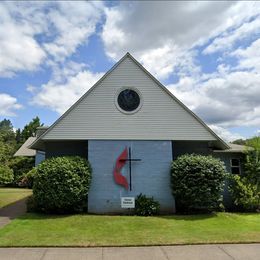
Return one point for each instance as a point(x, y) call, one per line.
point(188, 217)
point(14, 209)
point(39, 216)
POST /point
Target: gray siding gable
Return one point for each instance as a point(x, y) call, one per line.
point(161, 117)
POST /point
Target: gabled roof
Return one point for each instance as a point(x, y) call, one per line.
point(24, 150)
point(38, 144)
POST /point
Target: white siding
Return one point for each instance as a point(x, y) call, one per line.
point(160, 117)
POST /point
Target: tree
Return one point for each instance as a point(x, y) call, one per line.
point(6, 175)
point(30, 129)
point(6, 125)
point(252, 164)
point(7, 141)
point(245, 189)
point(18, 136)
point(6, 131)
point(20, 166)
point(239, 141)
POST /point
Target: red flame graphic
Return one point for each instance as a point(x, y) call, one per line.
point(120, 162)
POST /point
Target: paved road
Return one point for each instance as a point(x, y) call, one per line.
point(195, 252)
point(12, 211)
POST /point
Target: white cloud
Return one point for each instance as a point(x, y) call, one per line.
point(19, 51)
point(228, 39)
point(73, 23)
point(248, 58)
point(34, 33)
point(8, 105)
point(31, 89)
point(59, 96)
point(231, 99)
point(163, 35)
point(161, 62)
point(226, 134)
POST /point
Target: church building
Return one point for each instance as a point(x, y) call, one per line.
point(130, 128)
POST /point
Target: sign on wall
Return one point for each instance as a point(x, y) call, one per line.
point(128, 202)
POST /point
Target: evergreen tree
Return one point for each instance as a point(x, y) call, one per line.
point(6, 125)
point(7, 141)
point(30, 129)
point(10, 166)
point(6, 131)
point(239, 141)
point(18, 136)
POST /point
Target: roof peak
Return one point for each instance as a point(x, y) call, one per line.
point(128, 55)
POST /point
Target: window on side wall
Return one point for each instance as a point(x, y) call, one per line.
point(235, 166)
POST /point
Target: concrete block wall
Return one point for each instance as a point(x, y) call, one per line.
point(150, 176)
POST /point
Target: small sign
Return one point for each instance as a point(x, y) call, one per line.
point(128, 202)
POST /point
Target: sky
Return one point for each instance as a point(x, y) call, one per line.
point(206, 53)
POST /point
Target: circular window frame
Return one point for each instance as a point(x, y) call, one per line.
point(124, 111)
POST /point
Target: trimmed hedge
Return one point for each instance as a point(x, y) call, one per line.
point(61, 185)
point(197, 182)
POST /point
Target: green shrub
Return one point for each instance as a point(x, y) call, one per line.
point(61, 185)
point(6, 175)
point(31, 205)
point(146, 206)
point(197, 182)
point(20, 166)
point(27, 179)
point(244, 194)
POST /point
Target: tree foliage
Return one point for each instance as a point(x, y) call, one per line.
point(28, 179)
point(245, 189)
point(244, 193)
point(30, 129)
point(6, 175)
point(7, 141)
point(20, 165)
point(252, 164)
point(239, 141)
point(249, 141)
point(10, 141)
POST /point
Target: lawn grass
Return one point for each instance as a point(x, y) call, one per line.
point(10, 195)
point(92, 230)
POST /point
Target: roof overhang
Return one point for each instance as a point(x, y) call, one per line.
point(235, 148)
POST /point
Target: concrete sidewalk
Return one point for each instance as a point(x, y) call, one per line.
point(195, 252)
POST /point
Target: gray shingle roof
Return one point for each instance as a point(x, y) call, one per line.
point(24, 150)
point(234, 148)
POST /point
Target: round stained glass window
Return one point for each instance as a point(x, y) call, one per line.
point(128, 100)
